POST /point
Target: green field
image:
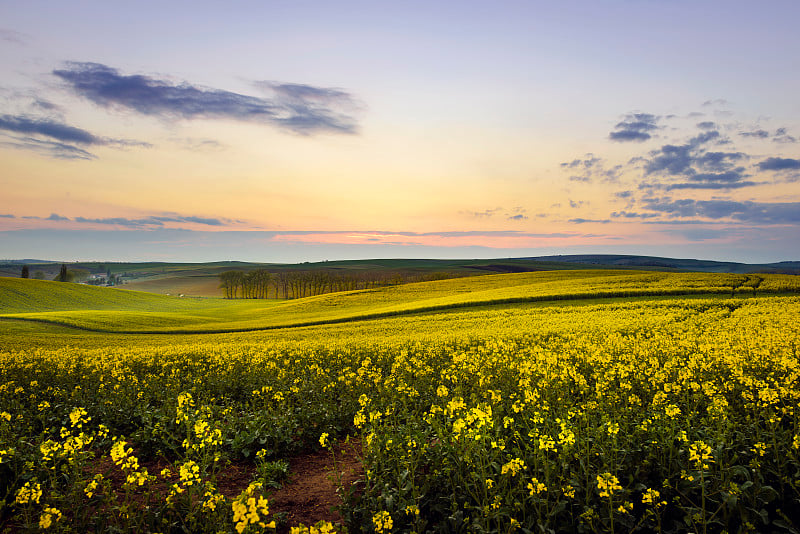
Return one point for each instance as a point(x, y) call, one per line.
point(560, 401)
point(116, 310)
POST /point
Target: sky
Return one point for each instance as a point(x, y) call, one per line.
point(290, 131)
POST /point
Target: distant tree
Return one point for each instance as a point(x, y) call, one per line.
point(25, 272)
point(39, 275)
point(62, 274)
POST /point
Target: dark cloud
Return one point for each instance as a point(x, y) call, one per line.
point(48, 128)
point(707, 125)
point(150, 221)
point(779, 164)
point(751, 212)
point(710, 185)
point(635, 127)
point(7, 216)
point(633, 215)
point(517, 217)
point(718, 161)
point(191, 219)
point(693, 166)
point(583, 221)
point(62, 137)
point(575, 203)
point(623, 194)
point(760, 134)
point(298, 108)
point(56, 217)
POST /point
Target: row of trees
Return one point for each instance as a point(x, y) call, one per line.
point(64, 274)
point(263, 284)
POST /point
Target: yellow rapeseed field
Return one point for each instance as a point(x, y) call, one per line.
point(542, 402)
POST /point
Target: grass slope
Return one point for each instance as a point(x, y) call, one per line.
point(114, 310)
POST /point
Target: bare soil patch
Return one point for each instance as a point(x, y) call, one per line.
point(311, 494)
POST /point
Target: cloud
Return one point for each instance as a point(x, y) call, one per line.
point(62, 137)
point(7, 216)
point(633, 215)
point(485, 214)
point(781, 136)
point(199, 144)
point(779, 164)
point(48, 128)
point(707, 125)
point(580, 220)
point(56, 217)
point(156, 221)
point(716, 102)
point(635, 127)
point(11, 36)
point(517, 217)
point(760, 134)
point(591, 167)
point(695, 167)
point(301, 109)
point(751, 212)
point(49, 148)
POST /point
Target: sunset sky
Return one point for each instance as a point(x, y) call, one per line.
point(309, 130)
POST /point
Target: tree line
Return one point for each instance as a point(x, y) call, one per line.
point(263, 284)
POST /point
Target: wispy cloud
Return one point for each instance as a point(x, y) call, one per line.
point(580, 220)
point(301, 109)
point(51, 149)
point(62, 137)
point(751, 212)
point(782, 136)
point(635, 127)
point(590, 168)
point(515, 214)
point(148, 222)
point(761, 134)
point(11, 36)
point(153, 221)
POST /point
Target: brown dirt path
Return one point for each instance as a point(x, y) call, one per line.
point(311, 493)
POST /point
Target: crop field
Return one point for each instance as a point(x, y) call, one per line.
point(569, 401)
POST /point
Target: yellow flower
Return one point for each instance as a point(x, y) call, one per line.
point(323, 439)
point(535, 487)
point(29, 493)
point(382, 522)
point(78, 417)
point(48, 517)
point(699, 453)
point(607, 484)
point(514, 466)
point(650, 496)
